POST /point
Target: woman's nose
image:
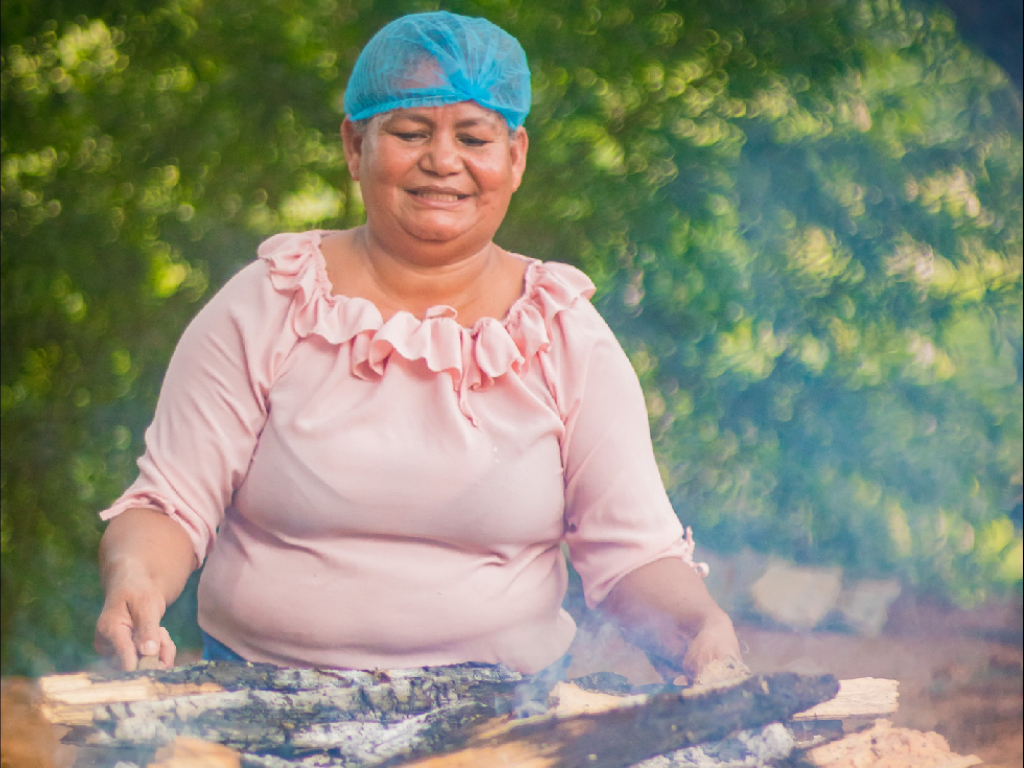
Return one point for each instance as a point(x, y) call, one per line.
point(442, 156)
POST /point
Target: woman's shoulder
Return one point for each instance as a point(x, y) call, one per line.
point(253, 294)
point(571, 338)
point(292, 266)
point(556, 319)
point(556, 283)
point(294, 263)
point(562, 293)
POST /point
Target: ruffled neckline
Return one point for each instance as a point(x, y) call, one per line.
point(474, 357)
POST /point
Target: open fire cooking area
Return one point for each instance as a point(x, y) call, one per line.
point(958, 679)
point(231, 714)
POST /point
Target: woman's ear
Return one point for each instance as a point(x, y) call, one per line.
point(352, 141)
point(518, 147)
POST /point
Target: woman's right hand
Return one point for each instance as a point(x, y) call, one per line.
point(145, 559)
point(128, 629)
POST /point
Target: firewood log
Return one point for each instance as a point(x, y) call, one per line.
point(640, 728)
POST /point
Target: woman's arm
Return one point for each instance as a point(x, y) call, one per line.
point(624, 537)
point(664, 607)
point(211, 410)
point(145, 559)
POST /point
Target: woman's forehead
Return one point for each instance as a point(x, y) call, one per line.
point(463, 114)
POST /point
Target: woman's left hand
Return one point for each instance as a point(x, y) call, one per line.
point(715, 641)
point(666, 609)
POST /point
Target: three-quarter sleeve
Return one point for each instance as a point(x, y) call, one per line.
point(617, 514)
point(212, 407)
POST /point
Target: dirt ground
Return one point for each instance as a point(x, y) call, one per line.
point(960, 675)
point(959, 670)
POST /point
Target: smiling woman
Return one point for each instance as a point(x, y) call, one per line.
point(379, 439)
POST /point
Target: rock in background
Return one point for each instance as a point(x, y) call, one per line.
point(751, 585)
point(864, 605)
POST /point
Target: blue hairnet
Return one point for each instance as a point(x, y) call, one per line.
point(431, 59)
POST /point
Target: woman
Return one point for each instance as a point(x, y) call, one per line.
point(378, 439)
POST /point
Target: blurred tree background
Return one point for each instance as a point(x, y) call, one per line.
point(804, 220)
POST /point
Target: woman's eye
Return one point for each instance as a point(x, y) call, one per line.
point(474, 141)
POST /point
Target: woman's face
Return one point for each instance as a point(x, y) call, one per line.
point(436, 175)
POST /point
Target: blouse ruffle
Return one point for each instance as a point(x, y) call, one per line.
point(473, 357)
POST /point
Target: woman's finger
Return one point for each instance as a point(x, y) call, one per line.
point(129, 628)
point(168, 650)
point(147, 609)
point(114, 637)
point(124, 648)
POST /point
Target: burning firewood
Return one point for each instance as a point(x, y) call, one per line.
point(639, 728)
point(443, 717)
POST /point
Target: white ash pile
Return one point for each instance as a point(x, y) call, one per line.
point(754, 748)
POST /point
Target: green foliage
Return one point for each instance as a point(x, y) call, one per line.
point(804, 219)
point(807, 221)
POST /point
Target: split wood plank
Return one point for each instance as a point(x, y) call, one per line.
point(72, 700)
point(859, 697)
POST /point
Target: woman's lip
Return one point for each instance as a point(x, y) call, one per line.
point(438, 195)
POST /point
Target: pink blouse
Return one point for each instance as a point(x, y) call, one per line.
point(370, 494)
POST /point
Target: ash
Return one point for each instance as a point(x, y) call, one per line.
point(754, 748)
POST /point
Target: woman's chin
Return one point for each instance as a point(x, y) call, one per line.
point(434, 235)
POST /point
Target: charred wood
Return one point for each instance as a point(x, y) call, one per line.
point(640, 729)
